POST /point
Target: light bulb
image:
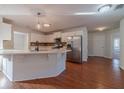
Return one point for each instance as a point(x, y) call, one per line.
point(38, 26)
point(46, 25)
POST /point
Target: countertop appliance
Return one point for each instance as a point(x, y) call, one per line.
point(75, 44)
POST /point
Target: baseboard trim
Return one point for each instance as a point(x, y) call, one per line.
point(102, 57)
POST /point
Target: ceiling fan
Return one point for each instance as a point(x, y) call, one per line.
point(119, 6)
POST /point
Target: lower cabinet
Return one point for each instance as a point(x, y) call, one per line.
point(0, 63)
point(7, 66)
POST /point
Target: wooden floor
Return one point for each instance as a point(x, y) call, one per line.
point(96, 73)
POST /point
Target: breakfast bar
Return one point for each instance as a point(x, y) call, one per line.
point(19, 65)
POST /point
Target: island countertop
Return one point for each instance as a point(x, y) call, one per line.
point(8, 52)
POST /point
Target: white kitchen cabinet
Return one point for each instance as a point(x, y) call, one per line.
point(1, 60)
point(7, 66)
point(5, 31)
point(4, 65)
point(37, 37)
point(78, 33)
point(68, 34)
point(43, 39)
point(50, 38)
point(64, 37)
point(57, 34)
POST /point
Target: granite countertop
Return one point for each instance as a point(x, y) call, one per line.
point(8, 52)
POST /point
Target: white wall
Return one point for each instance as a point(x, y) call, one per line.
point(122, 44)
point(109, 36)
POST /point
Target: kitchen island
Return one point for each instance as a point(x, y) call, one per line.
point(19, 65)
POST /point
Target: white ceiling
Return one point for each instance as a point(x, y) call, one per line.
point(61, 16)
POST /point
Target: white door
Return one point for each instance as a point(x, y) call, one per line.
point(99, 45)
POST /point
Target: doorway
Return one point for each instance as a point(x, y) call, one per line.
point(116, 48)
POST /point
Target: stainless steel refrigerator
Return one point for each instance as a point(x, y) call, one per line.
point(75, 44)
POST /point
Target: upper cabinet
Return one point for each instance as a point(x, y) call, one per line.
point(51, 37)
point(5, 35)
point(5, 31)
point(37, 37)
point(70, 33)
point(57, 34)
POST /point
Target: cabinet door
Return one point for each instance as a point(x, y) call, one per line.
point(64, 37)
point(57, 34)
point(5, 31)
point(4, 66)
point(37, 37)
point(43, 39)
point(50, 38)
point(76, 33)
point(1, 63)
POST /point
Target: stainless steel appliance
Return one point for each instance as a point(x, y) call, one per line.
point(75, 43)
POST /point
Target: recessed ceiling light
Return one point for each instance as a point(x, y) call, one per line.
point(85, 13)
point(104, 8)
point(101, 28)
point(46, 25)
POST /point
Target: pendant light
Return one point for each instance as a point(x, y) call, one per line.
point(38, 21)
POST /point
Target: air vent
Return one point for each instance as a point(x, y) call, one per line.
point(120, 6)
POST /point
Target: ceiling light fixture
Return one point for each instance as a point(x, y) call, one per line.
point(104, 8)
point(85, 13)
point(46, 25)
point(101, 28)
point(38, 21)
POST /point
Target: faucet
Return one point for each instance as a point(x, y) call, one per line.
point(37, 46)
